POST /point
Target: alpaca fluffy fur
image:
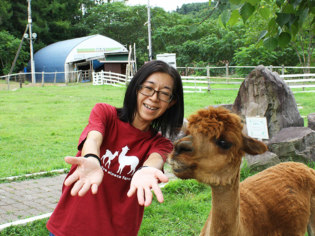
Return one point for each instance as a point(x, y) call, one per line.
point(277, 201)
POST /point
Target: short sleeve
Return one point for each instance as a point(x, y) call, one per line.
point(100, 117)
point(162, 146)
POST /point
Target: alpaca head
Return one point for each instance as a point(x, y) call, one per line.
point(212, 150)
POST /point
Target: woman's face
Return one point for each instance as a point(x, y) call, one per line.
point(151, 107)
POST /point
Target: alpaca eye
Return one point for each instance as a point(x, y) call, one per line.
point(223, 144)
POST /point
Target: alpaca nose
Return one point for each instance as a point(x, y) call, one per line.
point(184, 145)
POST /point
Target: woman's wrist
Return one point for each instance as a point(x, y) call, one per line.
point(93, 155)
point(141, 167)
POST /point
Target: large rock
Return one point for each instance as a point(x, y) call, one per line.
point(311, 121)
point(262, 161)
point(294, 144)
point(264, 93)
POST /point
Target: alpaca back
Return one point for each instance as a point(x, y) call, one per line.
point(278, 198)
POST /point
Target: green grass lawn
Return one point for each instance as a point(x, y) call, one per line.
point(41, 125)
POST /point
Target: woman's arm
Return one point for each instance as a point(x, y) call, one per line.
point(147, 179)
point(89, 173)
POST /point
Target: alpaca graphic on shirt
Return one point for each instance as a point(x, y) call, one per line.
point(110, 157)
point(124, 160)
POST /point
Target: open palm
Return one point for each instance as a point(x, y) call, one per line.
point(88, 175)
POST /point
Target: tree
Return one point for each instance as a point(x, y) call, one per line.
point(5, 13)
point(8, 47)
point(289, 21)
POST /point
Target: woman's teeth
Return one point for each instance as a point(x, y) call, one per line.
point(151, 108)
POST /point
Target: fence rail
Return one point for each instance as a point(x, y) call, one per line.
point(107, 77)
point(202, 81)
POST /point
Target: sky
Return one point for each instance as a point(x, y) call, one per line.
point(167, 5)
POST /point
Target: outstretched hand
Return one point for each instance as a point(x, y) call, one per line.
point(145, 180)
point(88, 175)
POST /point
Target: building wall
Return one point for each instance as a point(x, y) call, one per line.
point(115, 67)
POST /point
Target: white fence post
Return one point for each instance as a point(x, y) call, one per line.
point(43, 77)
point(208, 75)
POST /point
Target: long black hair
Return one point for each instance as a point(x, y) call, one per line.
point(171, 121)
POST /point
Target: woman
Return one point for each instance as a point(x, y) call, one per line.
point(121, 156)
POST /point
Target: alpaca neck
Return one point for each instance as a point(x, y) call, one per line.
point(225, 209)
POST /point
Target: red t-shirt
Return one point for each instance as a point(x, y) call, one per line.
point(110, 211)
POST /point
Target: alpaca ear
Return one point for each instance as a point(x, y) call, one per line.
point(253, 146)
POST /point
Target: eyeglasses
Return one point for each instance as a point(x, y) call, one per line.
point(148, 91)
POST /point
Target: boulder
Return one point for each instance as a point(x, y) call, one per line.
point(263, 93)
point(294, 144)
point(311, 121)
point(262, 161)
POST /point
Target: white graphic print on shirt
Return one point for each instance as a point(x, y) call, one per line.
point(123, 160)
point(110, 157)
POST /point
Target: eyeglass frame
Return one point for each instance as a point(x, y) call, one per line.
point(155, 91)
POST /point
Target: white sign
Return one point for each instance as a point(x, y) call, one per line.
point(257, 127)
point(169, 58)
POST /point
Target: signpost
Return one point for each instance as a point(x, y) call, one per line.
point(257, 127)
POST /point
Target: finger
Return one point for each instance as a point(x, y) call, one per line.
point(158, 193)
point(94, 188)
point(71, 179)
point(140, 196)
point(131, 191)
point(76, 187)
point(161, 176)
point(85, 188)
point(74, 160)
point(148, 196)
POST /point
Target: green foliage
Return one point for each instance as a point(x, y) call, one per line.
point(286, 18)
point(8, 47)
point(259, 55)
point(192, 8)
point(199, 33)
point(5, 13)
point(246, 11)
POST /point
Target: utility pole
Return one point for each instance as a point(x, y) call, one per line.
point(149, 32)
point(31, 42)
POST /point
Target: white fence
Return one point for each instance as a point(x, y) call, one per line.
point(298, 82)
point(107, 77)
point(201, 84)
point(42, 78)
point(202, 81)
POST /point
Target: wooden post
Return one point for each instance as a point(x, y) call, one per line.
point(227, 71)
point(282, 70)
point(208, 76)
point(43, 74)
point(270, 67)
point(8, 81)
point(78, 76)
point(20, 79)
point(55, 78)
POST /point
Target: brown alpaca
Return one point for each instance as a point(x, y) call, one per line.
point(277, 201)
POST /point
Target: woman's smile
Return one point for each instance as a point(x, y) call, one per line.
point(150, 107)
point(149, 104)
